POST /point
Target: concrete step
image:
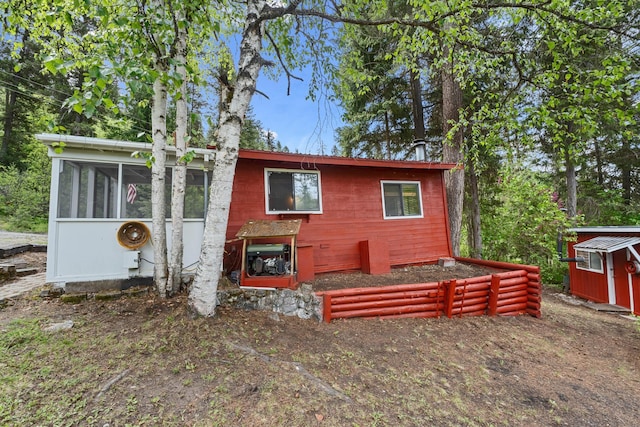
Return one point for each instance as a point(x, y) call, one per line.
point(7, 271)
point(27, 271)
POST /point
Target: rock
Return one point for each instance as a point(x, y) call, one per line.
point(274, 317)
point(62, 326)
point(73, 298)
point(109, 295)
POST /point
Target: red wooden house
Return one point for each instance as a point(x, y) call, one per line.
point(353, 214)
point(291, 215)
point(608, 265)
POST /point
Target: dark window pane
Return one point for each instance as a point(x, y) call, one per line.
point(393, 199)
point(280, 191)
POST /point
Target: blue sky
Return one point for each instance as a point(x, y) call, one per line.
point(301, 124)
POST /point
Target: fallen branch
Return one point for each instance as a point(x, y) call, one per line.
point(299, 368)
point(110, 383)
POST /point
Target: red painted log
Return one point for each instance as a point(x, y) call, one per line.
point(534, 298)
point(493, 295)
point(535, 290)
point(513, 308)
point(476, 280)
point(522, 287)
point(374, 312)
point(474, 294)
point(512, 274)
point(449, 297)
point(382, 289)
point(514, 300)
point(533, 277)
point(514, 294)
point(499, 264)
point(472, 287)
point(421, 315)
point(475, 313)
point(470, 301)
point(534, 313)
point(384, 296)
point(366, 305)
point(521, 280)
point(533, 305)
point(326, 308)
point(472, 308)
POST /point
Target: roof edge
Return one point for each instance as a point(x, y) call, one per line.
point(340, 161)
point(607, 228)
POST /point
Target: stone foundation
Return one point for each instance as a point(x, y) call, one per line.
point(302, 302)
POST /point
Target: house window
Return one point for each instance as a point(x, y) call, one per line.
point(90, 190)
point(401, 199)
point(293, 191)
point(592, 261)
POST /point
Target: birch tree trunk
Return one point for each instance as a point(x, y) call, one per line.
point(180, 170)
point(203, 295)
point(159, 152)
point(452, 151)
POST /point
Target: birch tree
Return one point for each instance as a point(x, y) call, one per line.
point(144, 45)
point(241, 85)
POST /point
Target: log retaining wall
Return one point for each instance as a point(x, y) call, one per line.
point(508, 293)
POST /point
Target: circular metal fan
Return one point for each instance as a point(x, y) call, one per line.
point(133, 234)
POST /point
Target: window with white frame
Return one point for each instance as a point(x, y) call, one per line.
point(401, 199)
point(293, 191)
point(592, 261)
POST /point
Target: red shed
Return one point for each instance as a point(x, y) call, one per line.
point(608, 267)
point(355, 214)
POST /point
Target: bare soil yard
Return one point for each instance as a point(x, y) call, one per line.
point(145, 361)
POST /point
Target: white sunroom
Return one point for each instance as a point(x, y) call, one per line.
point(97, 186)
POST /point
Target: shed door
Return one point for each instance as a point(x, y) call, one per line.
point(621, 279)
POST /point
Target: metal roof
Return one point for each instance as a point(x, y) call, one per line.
point(608, 229)
point(607, 244)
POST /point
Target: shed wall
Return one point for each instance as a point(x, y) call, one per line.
point(625, 288)
point(588, 284)
point(352, 212)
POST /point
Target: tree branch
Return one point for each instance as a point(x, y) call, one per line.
point(284, 66)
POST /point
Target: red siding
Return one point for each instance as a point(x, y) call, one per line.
point(352, 212)
point(587, 284)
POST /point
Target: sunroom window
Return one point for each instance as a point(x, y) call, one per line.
point(293, 191)
point(90, 190)
point(401, 199)
point(87, 190)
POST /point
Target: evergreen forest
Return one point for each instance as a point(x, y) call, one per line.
point(537, 102)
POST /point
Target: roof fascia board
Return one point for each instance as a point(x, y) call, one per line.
point(309, 159)
point(607, 229)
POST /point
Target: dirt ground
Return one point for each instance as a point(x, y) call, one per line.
point(410, 274)
point(146, 361)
